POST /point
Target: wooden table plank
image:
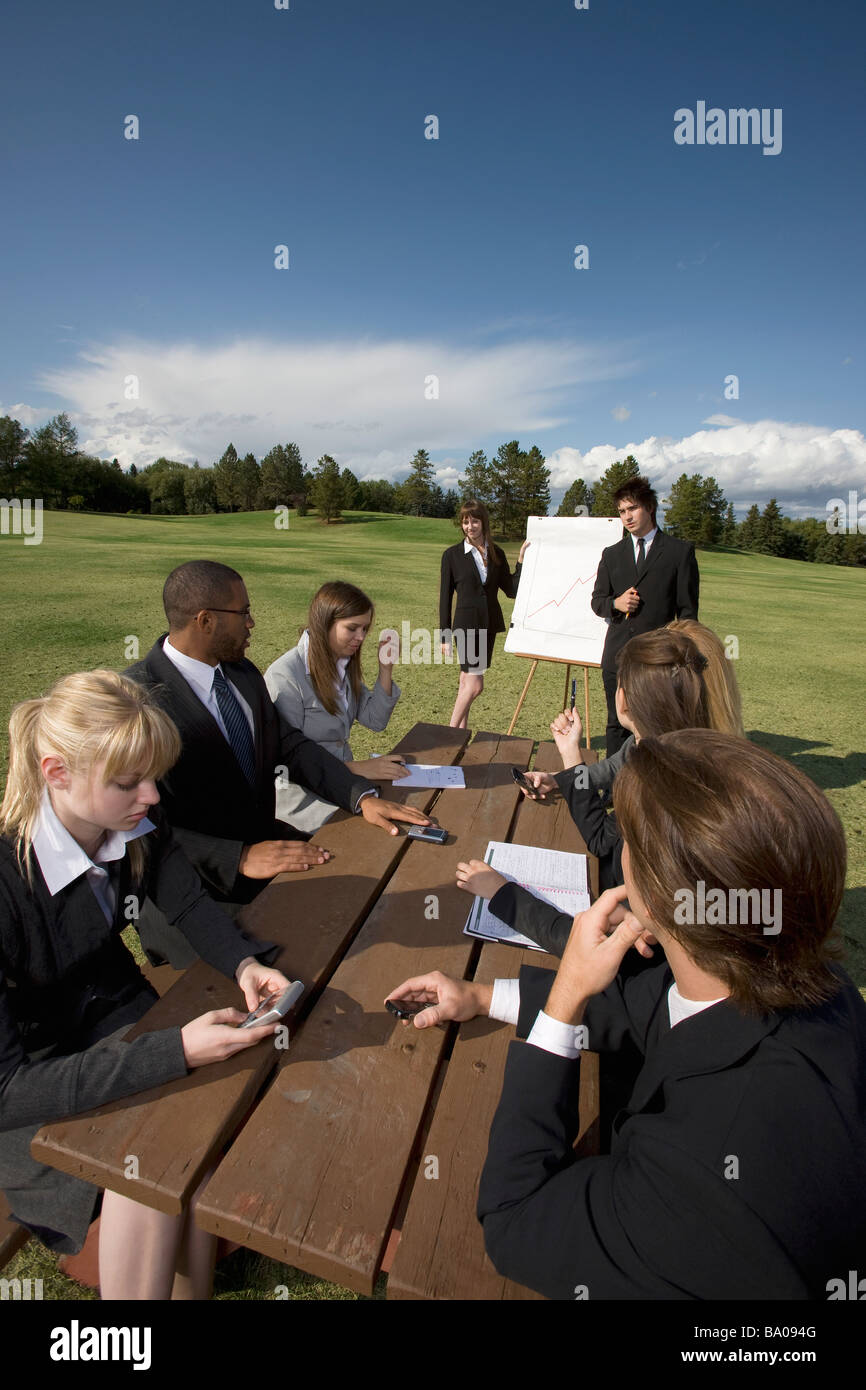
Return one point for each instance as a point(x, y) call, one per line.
point(315, 1176)
point(175, 1131)
point(441, 1252)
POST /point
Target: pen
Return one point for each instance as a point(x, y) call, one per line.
point(573, 693)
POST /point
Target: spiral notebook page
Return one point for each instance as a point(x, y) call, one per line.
point(552, 875)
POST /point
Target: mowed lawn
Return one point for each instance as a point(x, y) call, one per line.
point(92, 588)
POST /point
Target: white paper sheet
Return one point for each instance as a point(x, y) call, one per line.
point(552, 875)
point(431, 775)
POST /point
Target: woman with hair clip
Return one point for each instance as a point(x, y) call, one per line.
point(737, 1166)
point(81, 837)
point(724, 710)
point(660, 688)
point(474, 570)
point(318, 688)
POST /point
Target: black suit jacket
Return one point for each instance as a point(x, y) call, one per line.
point(668, 586)
point(737, 1168)
point(477, 605)
point(212, 807)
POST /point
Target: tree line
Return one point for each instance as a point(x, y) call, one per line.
point(514, 484)
point(697, 510)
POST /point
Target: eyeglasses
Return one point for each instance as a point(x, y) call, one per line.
point(246, 612)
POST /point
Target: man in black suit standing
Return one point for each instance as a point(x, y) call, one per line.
point(643, 582)
point(220, 796)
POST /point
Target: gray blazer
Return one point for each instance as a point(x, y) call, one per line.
point(291, 690)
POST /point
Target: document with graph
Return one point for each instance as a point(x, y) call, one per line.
point(551, 874)
point(552, 616)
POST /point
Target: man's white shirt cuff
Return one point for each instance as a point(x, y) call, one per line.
point(565, 1039)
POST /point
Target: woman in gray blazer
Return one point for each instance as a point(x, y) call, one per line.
point(318, 688)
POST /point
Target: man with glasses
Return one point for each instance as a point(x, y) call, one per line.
point(220, 795)
point(643, 582)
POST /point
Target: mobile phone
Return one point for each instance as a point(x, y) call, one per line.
point(434, 833)
point(275, 1006)
point(523, 781)
point(406, 1008)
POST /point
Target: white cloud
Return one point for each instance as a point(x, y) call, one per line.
point(363, 402)
point(751, 461)
point(26, 415)
point(620, 413)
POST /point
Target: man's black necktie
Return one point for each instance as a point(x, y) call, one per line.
point(236, 724)
point(640, 553)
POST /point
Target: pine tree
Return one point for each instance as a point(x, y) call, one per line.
point(478, 480)
point(351, 489)
point(534, 488)
point(418, 486)
point(579, 496)
point(249, 483)
point(226, 476)
point(282, 476)
point(771, 532)
point(618, 473)
point(505, 508)
point(13, 455)
point(326, 489)
point(749, 534)
point(729, 533)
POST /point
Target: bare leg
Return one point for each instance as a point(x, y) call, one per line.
point(137, 1249)
point(469, 689)
point(196, 1257)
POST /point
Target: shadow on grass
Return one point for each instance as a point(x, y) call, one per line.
point(826, 771)
point(851, 924)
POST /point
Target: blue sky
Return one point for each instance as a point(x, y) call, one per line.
point(411, 257)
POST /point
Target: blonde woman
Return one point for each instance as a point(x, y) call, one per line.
point(81, 837)
point(724, 713)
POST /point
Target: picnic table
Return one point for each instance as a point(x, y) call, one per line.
point(362, 1136)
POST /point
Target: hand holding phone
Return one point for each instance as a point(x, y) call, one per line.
point(275, 1007)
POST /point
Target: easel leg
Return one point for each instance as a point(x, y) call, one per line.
point(522, 697)
point(586, 705)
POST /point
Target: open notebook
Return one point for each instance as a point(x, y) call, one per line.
point(551, 874)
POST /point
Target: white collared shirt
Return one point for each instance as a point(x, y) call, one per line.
point(566, 1040)
point(199, 676)
point(647, 542)
point(62, 860)
point(480, 560)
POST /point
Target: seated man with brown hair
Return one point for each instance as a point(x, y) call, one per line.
point(738, 1166)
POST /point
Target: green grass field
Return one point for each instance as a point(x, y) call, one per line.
point(75, 601)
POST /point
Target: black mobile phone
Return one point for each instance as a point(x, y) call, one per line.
point(523, 781)
point(434, 833)
point(405, 1008)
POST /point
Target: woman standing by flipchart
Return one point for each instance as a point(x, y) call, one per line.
point(474, 569)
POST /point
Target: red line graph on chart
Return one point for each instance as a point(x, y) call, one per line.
point(558, 602)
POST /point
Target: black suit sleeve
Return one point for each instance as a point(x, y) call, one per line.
point(603, 594)
point(688, 584)
point(525, 913)
point(597, 826)
point(216, 861)
point(318, 770)
point(446, 593)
